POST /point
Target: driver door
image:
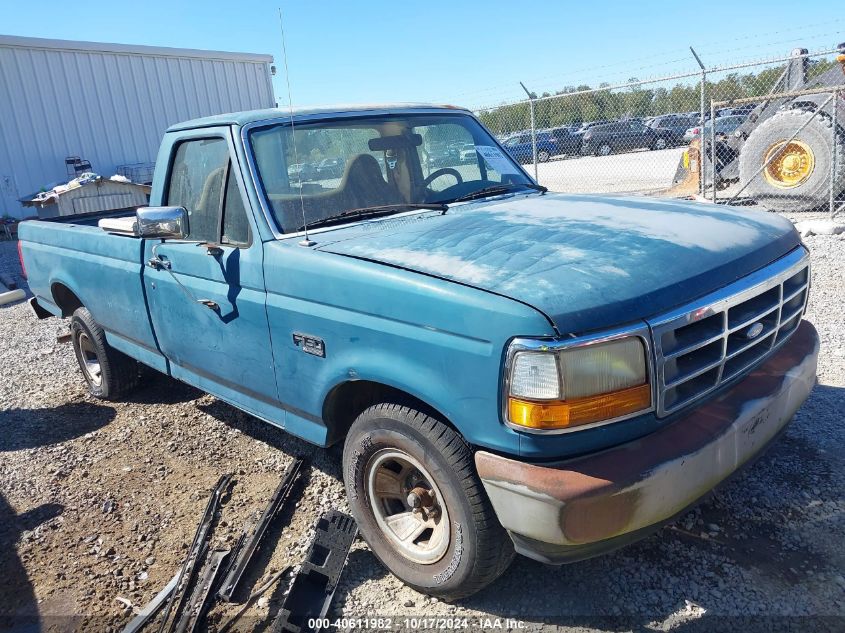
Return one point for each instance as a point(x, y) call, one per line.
point(206, 294)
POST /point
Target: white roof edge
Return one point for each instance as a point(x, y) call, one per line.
point(137, 49)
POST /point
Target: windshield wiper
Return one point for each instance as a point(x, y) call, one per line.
point(495, 190)
point(374, 212)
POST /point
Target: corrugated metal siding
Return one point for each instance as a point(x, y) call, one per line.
point(110, 107)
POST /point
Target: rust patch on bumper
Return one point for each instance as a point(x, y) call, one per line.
point(625, 488)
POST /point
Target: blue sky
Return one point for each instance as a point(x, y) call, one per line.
point(469, 53)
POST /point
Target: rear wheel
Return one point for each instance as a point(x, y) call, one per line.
point(412, 487)
point(108, 373)
point(798, 176)
point(603, 150)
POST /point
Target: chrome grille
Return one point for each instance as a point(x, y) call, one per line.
point(723, 335)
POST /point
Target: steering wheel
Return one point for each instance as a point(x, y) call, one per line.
point(443, 171)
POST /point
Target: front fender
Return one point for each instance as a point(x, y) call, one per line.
point(438, 341)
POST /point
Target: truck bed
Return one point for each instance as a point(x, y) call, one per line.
point(104, 270)
point(88, 219)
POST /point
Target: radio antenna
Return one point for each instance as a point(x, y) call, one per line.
point(306, 241)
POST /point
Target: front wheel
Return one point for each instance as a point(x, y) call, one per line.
point(412, 487)
point(543, 156)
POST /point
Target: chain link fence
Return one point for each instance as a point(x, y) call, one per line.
point(768, 134)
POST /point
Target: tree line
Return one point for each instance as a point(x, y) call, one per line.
point(636, 101)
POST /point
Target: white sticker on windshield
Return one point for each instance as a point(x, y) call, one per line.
point(496, 160)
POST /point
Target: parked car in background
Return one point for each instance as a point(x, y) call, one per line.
point(582, 129)
point(671, 126)
point(467, 153)
point(565, 139)
point(742, 110)
point(623, 136)
point(331, 167)
point(549, 143)
point(302, 171)
point(442, 155)
point(724, 125)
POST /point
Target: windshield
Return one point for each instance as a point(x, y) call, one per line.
point(376, 161)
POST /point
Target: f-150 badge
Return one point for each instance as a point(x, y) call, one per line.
point(310, 344)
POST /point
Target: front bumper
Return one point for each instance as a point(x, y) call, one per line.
point(590, 505)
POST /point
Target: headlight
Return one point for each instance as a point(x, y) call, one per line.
point(535, 375)
point(560, 387)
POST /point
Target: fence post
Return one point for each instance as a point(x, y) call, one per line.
point(712, 145)
point(701, 170)
point(533, 131)
point(834, 157)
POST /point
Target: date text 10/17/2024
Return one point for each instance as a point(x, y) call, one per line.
point(417, 623)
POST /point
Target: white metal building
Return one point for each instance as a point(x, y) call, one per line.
point(108, 104)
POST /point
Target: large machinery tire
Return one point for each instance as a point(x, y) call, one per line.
point(799, 178)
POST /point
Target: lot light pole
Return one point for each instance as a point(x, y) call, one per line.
point(531, 98)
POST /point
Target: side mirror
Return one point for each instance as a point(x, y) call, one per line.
point(163, 222)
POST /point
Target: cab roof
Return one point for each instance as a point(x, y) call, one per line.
point(250, 116)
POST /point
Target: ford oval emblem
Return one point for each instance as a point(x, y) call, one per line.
point(754, 331)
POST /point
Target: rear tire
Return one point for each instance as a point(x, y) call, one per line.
point(811, 192)
point(109, 374)
point(392, 451)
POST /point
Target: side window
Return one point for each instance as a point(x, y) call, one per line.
point(235, 223)
point(197, 179)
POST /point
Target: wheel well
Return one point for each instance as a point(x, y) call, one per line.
point(65, 299)
point(350, 399)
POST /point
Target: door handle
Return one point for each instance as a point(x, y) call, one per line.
point(156, 263)
point(211, 305)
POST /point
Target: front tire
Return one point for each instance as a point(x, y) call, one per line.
point(543, 156)
point(109, 374)
point(412, 488)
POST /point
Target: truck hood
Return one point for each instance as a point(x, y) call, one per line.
point(586, 262)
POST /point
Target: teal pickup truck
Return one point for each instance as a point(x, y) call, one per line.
point(510, 369)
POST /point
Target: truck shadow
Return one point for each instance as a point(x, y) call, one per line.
point(18, 605)
point(158, 388)
point(30, 428)
point(270, 434)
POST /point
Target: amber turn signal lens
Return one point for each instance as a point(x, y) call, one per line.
point(569, 413)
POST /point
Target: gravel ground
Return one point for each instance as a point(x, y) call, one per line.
point(99, 502)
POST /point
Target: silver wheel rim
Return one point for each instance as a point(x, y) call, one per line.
point(543, 157)
point(604, 150)
point(660, 143)
point(89, 362)
point(394, 481)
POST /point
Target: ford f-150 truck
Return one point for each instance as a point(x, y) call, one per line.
point(510, 369)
